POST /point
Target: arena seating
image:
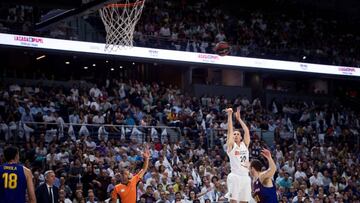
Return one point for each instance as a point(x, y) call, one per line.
point(316, 147)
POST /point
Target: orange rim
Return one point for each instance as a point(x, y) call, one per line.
point(125, 5)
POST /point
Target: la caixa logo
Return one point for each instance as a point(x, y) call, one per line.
point(29, 41)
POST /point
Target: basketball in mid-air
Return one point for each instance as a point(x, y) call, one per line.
point(222, 48)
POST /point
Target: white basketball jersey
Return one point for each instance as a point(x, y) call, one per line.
point(239, 159)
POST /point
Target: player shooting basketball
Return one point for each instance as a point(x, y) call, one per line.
point(238, 181)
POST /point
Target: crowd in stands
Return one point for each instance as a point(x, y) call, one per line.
point(316, 147)
point(198, 25)
point(19, 18)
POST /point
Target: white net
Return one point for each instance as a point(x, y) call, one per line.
point(120, 20)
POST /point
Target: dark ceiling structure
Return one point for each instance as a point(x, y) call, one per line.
point(65, 9)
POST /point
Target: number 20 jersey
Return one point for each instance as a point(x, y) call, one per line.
point(12, 183)
point(239, 159)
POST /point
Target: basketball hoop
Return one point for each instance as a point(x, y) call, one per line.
point(120, 20)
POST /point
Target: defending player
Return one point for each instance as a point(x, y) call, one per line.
point(264, 190)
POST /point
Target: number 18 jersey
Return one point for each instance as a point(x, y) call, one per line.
point(12, 183)
point(239, 159)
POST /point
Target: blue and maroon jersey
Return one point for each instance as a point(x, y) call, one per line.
point(12, 183)
point(264, 194)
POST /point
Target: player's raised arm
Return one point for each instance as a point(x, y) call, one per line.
point(230, 131)
point(244, 127)
point(30, 185)
point(146, 155)
point(269, 173)
point(114, 196)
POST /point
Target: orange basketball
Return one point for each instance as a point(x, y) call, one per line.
point(222, 48)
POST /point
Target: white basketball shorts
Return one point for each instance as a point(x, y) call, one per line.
point(239, 187)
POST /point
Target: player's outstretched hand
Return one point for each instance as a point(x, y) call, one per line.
point(229, 110)
point(146, 153)
point(237, 114)
point(266, 153)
